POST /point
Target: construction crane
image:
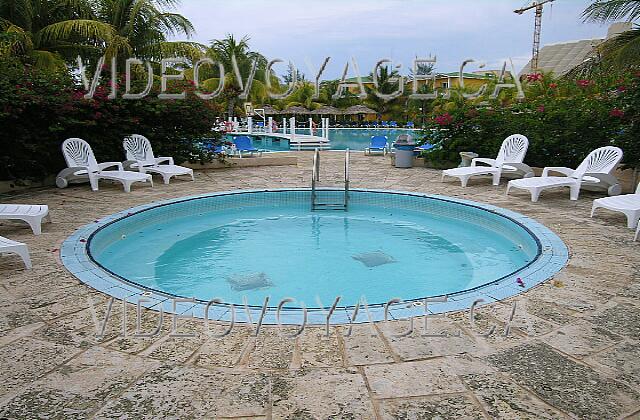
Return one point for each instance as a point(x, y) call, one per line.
point(538, 5)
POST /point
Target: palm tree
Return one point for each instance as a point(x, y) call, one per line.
point(621, 52)
point(141, 29)
point(387, 84)
point(50, 32)
point(224, 50)
point(22, 23)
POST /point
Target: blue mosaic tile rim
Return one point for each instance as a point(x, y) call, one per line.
point(552, 257)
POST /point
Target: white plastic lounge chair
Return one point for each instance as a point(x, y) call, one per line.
point(7, 246)
point(629, 204)
point(508, 161)
point(140, 156)
point(33, 215)
point(595, 170)
point(81, 163)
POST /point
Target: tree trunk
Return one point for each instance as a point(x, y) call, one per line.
point(231, 105)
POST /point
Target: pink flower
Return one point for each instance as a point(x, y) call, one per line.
point(553, 85)
point(584, 83)
point(621, 88)
point(618, 113)
point(534, 77)
point(444, 119)
point(541, 108)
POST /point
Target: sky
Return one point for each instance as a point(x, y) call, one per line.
point(306, 32)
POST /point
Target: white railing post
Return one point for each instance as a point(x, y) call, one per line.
point(311, 126)
point(284, 126)
point(292, 129)
point(250, 125)
point(270, 122)
point(236, 126)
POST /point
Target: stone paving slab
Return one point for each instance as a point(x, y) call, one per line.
point(503, 399)
point(337, 394)
point(459, 406)
point(569, 386)
point(571, 351)
point(78, 388)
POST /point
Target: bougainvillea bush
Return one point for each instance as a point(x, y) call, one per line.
point(563, 119)
point(40, 109)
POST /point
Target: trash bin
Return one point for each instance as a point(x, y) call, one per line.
point(466, 158)
point(404, 147)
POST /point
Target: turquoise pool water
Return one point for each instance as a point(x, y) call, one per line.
point(262, 244)
point(341, 138)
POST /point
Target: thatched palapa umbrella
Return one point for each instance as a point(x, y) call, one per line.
point(295, 110)
point(326, 110)
point(269, 110)
point(359, 109)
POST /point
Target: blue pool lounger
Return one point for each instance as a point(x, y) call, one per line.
point(244, 144)
point(378, 144)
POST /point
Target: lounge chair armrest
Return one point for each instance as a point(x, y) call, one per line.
point(160, 160)
point(129, 165)
point(486, 161)
point(521, 167)
point(561, 169)
point(606, 179)
point(73, 170)
point(105, 165)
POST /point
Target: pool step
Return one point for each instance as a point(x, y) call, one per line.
point(339, 202)
point(330, 206)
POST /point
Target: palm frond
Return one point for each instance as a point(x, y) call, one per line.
point(47, 60)
point(118, 46)
point(191, 50)
point(89, 30)
point(617, 54)
point(173, 24)
point(611, 10)
point(18, 12)
point(13, 40)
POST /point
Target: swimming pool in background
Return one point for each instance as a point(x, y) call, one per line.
point(252, 245)
point(341, 138)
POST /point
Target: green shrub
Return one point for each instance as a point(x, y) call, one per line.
point(40, 109)
point(563, 121)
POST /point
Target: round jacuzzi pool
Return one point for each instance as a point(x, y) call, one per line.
point(389, 252)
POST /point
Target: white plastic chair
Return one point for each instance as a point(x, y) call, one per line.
point(33, 215)
point(7, 246)
point(140, 156)
point(509, 161)
point(595, 170)
point(629, 204)
point(82, 163)
point(635, 238)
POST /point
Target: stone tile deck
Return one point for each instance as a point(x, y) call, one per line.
point(572, 350)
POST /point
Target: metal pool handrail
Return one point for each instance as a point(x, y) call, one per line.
point(346, 178)
point(315, 176)
point(316, 166)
